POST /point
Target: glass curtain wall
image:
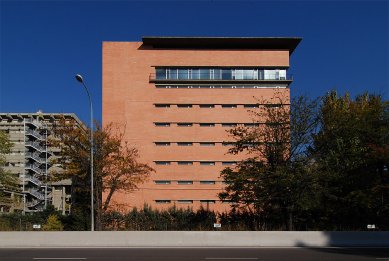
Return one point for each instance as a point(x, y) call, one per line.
point(220, 74)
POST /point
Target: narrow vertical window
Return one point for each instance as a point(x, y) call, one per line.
point(195, 74)
point(172, 74)
point(183, 74)
point(217, 75)
point(205, 74)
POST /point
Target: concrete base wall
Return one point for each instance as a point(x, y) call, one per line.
point(193, 239)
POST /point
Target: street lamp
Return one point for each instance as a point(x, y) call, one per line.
point(79, 78)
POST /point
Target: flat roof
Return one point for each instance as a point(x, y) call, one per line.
point(46, 116)
point(267, 43)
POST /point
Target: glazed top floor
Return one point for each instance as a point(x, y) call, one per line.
point(205, 51)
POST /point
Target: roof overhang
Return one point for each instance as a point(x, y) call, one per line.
point(256, 43)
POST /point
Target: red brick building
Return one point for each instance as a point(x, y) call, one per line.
point(177, 96)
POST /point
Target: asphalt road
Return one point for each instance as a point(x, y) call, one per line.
point(198, 254)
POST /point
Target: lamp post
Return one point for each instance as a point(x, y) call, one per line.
point(81, 80)
point(46, 167)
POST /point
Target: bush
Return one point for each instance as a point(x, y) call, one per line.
point(53, 224)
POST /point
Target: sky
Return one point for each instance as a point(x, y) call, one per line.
point(43, 44)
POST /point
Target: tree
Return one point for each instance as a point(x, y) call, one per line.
point(18, 221)
point(8, 182)
point(273, 181)
point(116, 166)
point(53, 224)
point(351, 151)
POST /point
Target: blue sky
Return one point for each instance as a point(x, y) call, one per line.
point(43, 44)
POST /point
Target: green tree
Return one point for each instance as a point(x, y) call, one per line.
point(116, 166)
point(18, 221)
point(8, 182)
point(351, 151)
point(273, 182)
point(52, 224)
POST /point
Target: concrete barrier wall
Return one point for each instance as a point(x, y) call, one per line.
point(193, 239)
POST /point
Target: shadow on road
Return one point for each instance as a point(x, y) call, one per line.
point(370, 244)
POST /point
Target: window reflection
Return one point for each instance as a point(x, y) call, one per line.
point(205, 74)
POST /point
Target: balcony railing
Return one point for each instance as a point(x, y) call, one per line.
point(202, 78)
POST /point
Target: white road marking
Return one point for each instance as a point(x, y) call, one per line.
point(59, 258)
point(231, 258)
point(198, 247)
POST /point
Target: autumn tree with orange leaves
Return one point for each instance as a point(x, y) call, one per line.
point(116, 166)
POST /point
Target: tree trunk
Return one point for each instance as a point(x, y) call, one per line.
point(108, 199)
